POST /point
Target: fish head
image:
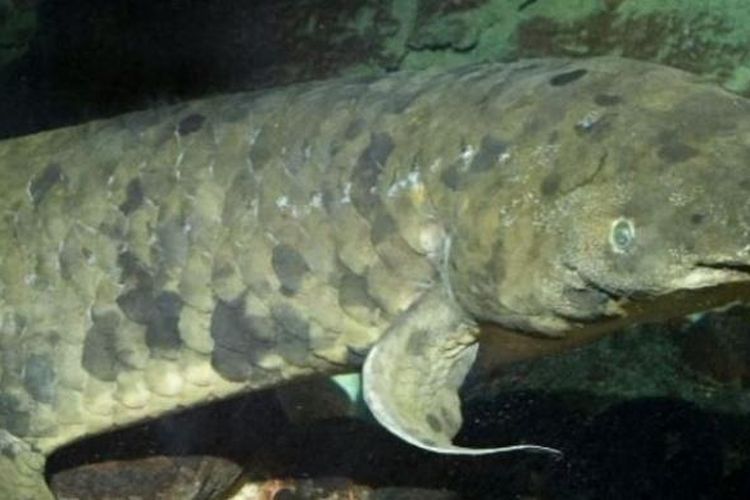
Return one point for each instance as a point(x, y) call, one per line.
point(667, 209)
point(642, 197)
point(650, 233)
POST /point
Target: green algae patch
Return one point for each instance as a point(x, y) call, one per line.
point(483, 31)
point(739, 81)
point(705, 36)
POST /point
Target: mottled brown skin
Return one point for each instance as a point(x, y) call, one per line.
point(166, 258)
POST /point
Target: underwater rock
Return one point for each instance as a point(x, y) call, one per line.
point(332, 488)
point(718, 346)
point(18, 20)
point(446, 33)
point(157, 478)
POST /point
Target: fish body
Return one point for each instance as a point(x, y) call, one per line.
point(167, 258)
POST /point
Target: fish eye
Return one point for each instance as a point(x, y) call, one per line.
point(622, 235)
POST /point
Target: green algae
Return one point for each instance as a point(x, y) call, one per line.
point(494, 26)
point(705, 37)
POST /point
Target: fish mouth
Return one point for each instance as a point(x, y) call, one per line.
point(712, 273)
point(704, 274)
point(727, 265)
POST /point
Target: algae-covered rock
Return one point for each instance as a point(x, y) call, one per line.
point(17, 26)
point(449, 33)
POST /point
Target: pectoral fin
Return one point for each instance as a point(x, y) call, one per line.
point(411, 377)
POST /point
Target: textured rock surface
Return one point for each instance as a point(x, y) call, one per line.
point(157, 478)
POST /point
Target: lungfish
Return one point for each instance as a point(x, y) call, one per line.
point(167, 258)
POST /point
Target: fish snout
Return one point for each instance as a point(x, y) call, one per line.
point(727, 269)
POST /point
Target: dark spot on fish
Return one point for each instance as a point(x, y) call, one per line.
point(383, 227)
point(240, 341)
point(352, 292)
point(21, 322)
point(697, 218)
point(416, 345)
point(672, 149)
point(290, 322)
point(133, 197)
point(290, 267)
point(116, 229)
point(160, 313)
point(293, 334)
point(434, 422)
point(232, 365)
point(137, 305)
point(451, 177)
point(39, 378)
point(162, 333)
point(566, 78)
point(677, 152)
point(99, 356)
point(221, 271)
point(334, 147)
point(551, 184)
point(41, 185)
point(607, 99)
point(498, 261)
point(488, 156)
point(329, 198)
point(263, 328)
point(356, 127)
point(133, 271)
point(369, 166)
point(191, 123)
point(8, 450)
point(12, 418)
